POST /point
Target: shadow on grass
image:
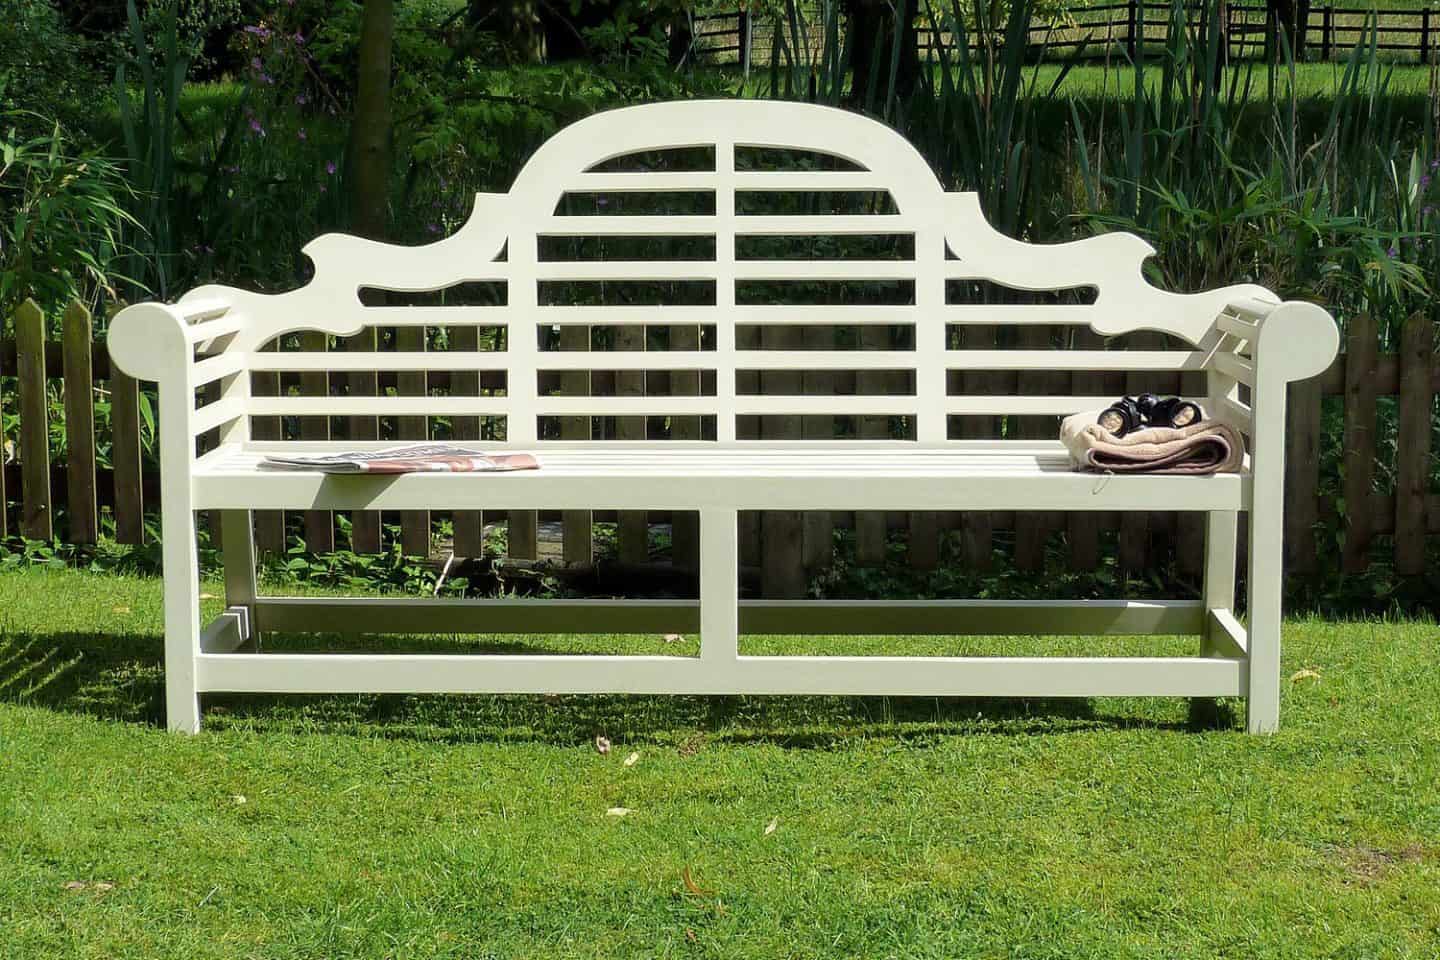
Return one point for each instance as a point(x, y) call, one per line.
point(121, 677)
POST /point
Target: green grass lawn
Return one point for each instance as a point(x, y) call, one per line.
point(488, 826)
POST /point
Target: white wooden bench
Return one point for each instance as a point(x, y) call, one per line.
point(1247, 345)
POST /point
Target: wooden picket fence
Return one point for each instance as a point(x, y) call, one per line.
point(1102, 30)
point(780, 550)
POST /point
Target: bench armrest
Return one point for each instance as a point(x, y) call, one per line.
point(160, 342)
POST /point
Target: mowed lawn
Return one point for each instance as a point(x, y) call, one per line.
point(472, 827)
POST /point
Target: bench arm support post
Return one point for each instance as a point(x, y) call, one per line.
point(1296, 341)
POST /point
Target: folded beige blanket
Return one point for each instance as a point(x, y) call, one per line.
point(1207, 446)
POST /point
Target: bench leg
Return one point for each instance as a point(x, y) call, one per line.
point(182, 616)
point(719, 585)
point(1221, 527)
point(1263, 613)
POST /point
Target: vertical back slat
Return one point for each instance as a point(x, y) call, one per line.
point(469, 525)
point(1361, 363)
point(414, 524)
point(1412, 468)
point(80, 425)
point(319, 524)
point(633, 531)
point(578, 538)
point(36, 521)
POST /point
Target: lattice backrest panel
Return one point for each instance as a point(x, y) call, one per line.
point(723, 271)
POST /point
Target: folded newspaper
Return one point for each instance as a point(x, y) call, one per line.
point(411, 458)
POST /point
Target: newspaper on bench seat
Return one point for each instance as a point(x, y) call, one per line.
point(411, 458)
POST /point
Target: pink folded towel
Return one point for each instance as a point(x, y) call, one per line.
point(1204, 447)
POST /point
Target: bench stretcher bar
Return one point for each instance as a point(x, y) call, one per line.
point(893, 676)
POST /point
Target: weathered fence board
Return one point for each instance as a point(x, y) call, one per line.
point(80, 503)
point(1412, 467)
point(1361, 346)
point(36, 520)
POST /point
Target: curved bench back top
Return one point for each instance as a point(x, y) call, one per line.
point(615, 281)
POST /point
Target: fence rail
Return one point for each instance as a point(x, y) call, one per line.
point(1105, 30)
point(782, 549)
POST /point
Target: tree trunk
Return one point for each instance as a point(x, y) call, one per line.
point(370, 130)
point(872, 46)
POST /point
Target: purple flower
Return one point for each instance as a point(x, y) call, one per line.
point(299, 39)
point(1425, 182)
point(256, 65)
point(330, 167)
point(301, 134)
point(256, 128)
point(267, 79)
point(433, 227)
point(1427, 211)
point(1393, 252)
point(262, 32)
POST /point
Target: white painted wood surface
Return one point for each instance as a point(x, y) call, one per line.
point(1239, 336)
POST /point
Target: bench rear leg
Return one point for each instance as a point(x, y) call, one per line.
point(237, 546)
point(1221, 529)
point(719, 585)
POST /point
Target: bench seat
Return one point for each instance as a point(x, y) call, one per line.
point(989, 475)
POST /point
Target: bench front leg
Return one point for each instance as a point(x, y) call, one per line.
point(719, 585)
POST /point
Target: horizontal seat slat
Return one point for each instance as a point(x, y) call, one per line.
point(854, 479)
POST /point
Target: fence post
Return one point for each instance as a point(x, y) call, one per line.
point(1361, 367)
point(1131, 26)
point(1327, 30)
point(35, 513)
point(1412, 480)
point(79, 425)
point(743, 29)
point(1425, 35)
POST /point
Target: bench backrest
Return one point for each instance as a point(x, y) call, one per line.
point(711, 271)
